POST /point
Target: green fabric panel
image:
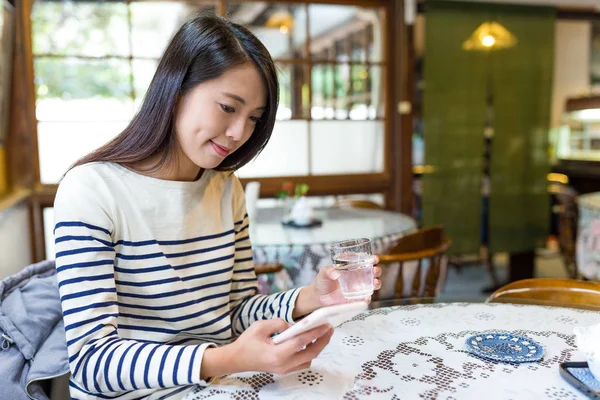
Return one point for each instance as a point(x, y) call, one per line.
point(522, 85)
point(454, 117)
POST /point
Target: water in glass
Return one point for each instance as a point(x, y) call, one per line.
point(356, 273)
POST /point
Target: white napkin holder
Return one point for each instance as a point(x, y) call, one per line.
point(588, 342)
point(301, 213)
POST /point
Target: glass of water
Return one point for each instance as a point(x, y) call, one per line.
point(354, 260)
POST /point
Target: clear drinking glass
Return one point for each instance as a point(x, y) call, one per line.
point(354, 260)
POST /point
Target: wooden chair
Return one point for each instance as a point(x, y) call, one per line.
point(353, 203)
point(568, 220)
point(267, 268)
point(558, 292)
point(424, 244)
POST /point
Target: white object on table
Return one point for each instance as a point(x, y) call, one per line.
point(302, 213)
point(419, 351)
point(252, 193)
point(588, 342)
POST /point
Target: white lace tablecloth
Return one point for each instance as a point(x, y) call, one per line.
point(418, 351)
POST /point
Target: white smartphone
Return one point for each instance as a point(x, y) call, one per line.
point(333, 315)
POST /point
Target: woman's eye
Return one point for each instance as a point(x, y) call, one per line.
point(227, 109)
point(256, 120)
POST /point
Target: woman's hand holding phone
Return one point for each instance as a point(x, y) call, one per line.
point(254, 350)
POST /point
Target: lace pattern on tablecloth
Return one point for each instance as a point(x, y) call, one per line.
point(419, 351)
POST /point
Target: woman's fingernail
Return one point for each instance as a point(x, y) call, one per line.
point(334, 275)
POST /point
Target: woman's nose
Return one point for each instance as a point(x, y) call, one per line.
point(237, 130)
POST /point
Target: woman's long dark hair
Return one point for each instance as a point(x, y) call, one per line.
point(204, 48)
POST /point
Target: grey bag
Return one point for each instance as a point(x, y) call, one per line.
point(33, 348)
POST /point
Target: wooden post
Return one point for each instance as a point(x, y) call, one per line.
point(21, 140)
point(401, 76)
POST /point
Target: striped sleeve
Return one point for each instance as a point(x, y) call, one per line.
point(100, 360)
point(247, 306)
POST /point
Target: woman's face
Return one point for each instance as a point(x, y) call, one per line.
point(217, 117)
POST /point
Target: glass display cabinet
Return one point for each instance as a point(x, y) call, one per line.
point(575, 146)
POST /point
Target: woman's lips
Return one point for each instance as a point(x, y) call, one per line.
point(220, 150)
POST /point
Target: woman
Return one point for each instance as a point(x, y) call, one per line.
point(154, 262)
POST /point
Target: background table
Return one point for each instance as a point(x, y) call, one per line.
point(588, 236)
point(304, 251)
point(418, 351)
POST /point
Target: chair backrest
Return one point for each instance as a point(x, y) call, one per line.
point(267, 268)
point(354, 203)
point(425, 244)
point(567, 292)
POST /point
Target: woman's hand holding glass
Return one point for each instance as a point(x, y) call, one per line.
point(328, 287)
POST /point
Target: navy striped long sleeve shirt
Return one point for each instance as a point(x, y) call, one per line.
point(151, 273)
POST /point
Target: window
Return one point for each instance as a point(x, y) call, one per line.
point(93, 62)
point(331, 69)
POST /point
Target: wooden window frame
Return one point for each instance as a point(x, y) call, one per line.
point(395, 182)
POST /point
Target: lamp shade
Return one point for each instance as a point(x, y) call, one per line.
point(490, 36)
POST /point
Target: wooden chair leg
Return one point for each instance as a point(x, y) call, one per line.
point(416, 283)
point(489, 264)
point(399, 286)
point(431, 279)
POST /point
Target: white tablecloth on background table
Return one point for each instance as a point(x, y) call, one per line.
point(304, 251)
point(418, 351)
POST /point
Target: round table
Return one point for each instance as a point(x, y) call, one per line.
point(304, 251)
point(588, 236)
point(418, 351)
